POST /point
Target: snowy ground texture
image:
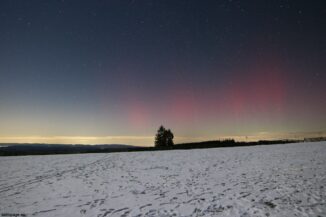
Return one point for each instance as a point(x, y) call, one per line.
point(278, 180)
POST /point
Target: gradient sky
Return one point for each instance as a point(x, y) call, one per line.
point(103, 71)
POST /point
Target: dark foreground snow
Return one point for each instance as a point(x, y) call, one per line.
point(277, 180)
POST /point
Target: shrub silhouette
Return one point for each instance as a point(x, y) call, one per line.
point(164, 138)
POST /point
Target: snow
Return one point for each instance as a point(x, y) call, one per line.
point(276, 180)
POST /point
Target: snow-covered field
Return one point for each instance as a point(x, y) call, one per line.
point(278, 180)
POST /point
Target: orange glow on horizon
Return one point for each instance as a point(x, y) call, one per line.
point(149, 140)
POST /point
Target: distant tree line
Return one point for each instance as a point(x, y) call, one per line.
point(163, 141)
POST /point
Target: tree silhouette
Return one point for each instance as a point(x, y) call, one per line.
point(164, 137)
point(159, 138)
point(169, 137)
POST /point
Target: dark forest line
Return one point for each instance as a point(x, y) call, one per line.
point(48, 149)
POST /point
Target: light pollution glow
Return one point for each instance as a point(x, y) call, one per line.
point(148, 140)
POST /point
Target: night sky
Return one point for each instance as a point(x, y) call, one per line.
point(113, 71)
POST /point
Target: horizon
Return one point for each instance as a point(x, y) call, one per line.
point(101, 72)
point(148, 141)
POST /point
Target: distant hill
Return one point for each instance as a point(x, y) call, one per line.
point(13, 149)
